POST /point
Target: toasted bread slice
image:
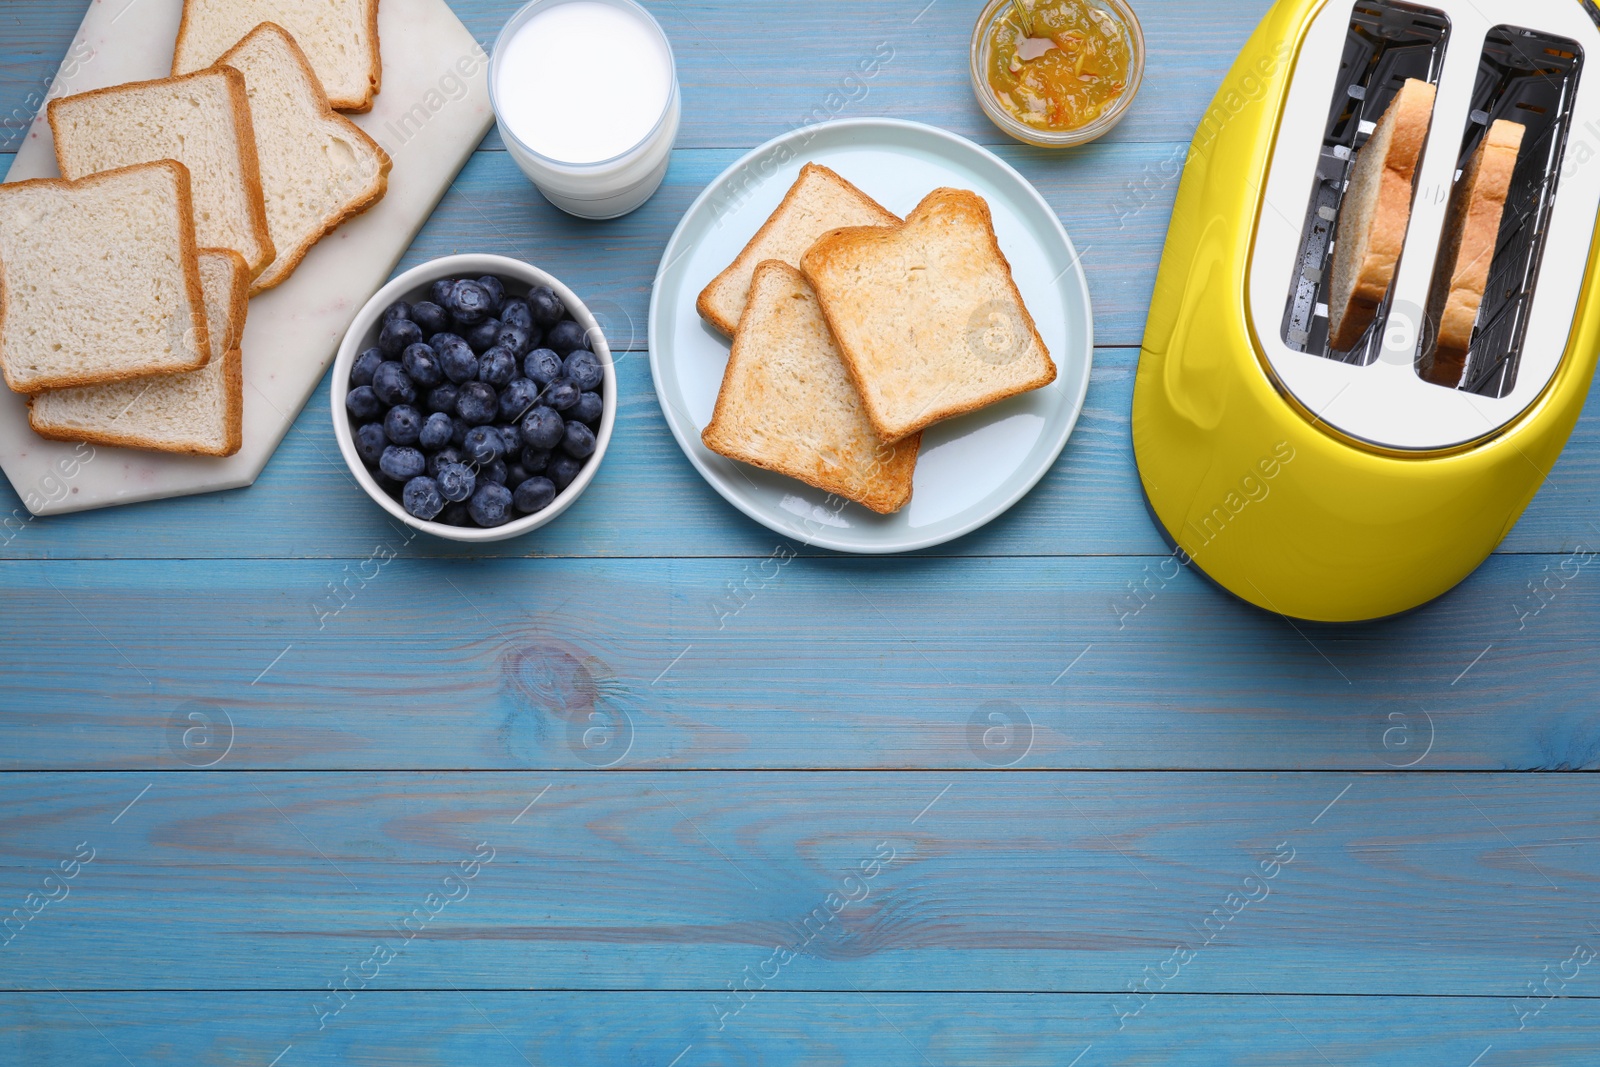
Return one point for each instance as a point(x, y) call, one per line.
point(99, 279)
point(818, 201)
point(203, 121)
point(1374, 213)
point(197, 412)
point(340, 38)
point(927, 315)
point(788, 405)
point(318, 168)
point(1472, 225)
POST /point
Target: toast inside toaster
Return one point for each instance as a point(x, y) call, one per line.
point(1386, 44)
point(1526, 81)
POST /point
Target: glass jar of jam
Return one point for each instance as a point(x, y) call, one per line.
point(1067, 83)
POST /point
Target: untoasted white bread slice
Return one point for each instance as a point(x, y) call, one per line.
point(203, 121)
point(317, 168)
point(787, 403)
point(340, 38)
point(98, 278)
point(818, 201)
point(1374, 213)
point(198, 412)
point(1472, 224)
point(927, 315)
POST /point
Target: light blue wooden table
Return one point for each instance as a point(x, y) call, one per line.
point(549, 802)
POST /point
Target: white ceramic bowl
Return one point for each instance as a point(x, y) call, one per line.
point(412, 286)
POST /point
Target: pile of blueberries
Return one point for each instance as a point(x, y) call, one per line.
point(476, 405)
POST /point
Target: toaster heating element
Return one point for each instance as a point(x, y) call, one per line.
point(1399, 486)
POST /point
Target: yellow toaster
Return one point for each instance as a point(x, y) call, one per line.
point(1344, 485)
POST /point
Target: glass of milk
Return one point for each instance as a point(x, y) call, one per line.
point(585, 96)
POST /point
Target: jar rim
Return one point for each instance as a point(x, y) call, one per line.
point(1033, 135)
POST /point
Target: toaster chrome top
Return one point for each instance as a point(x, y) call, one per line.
point(1488, 61)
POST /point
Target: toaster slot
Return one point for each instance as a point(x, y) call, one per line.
point(1529, 78)
point(1386, 43)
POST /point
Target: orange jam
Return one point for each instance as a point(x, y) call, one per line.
point(1074, 66)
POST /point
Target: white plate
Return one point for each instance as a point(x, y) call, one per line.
point(970, 468)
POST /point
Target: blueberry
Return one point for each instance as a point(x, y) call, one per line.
point(514, 312)
point(420, 362)
point(403, 424)
point(516, 474)
point(577, 440)
point(455, 515)
point(397, 310)
point(456, 481)
point(545, 307)
point(477, 403)
point(491, 505)
point(493, 472)
point(396, 334)
point(439, 292)
point(444, 338)
point(542, 365)
point(542, 428)
point(495, 288)
point(562, 470)
point(443, 458)
point(459, 364)
point(497, 366)
point(517, 339)
point(456, 357)
point(458, 430)
point(562, 394)
point(370, 442)
point(534, 495)
point(435, 432)
point(588, 409)
point(430, 316)
point(512, 437)
point(481, 336)
point(517, 398)
point(535, 460)
point(421, 497)
point(583, 367)
point(362, 403)
point(443, 398)
point(483, 444)
point(361, 370)
point(402, 463)
point(392, 384)
point(565, 336)
point(469, 302)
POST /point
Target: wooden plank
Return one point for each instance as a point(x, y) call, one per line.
point(830, 662)
point(743, 84)
point(452, 1027)
point(1088, 504)
point(980, 881)
point(644, 474)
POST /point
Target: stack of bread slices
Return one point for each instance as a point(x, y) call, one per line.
point(124, 283)
point(853, 330)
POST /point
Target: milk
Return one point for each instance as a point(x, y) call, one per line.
point(584, 81)
point(586, 97)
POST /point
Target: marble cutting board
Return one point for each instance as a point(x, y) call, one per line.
point(431, 112)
